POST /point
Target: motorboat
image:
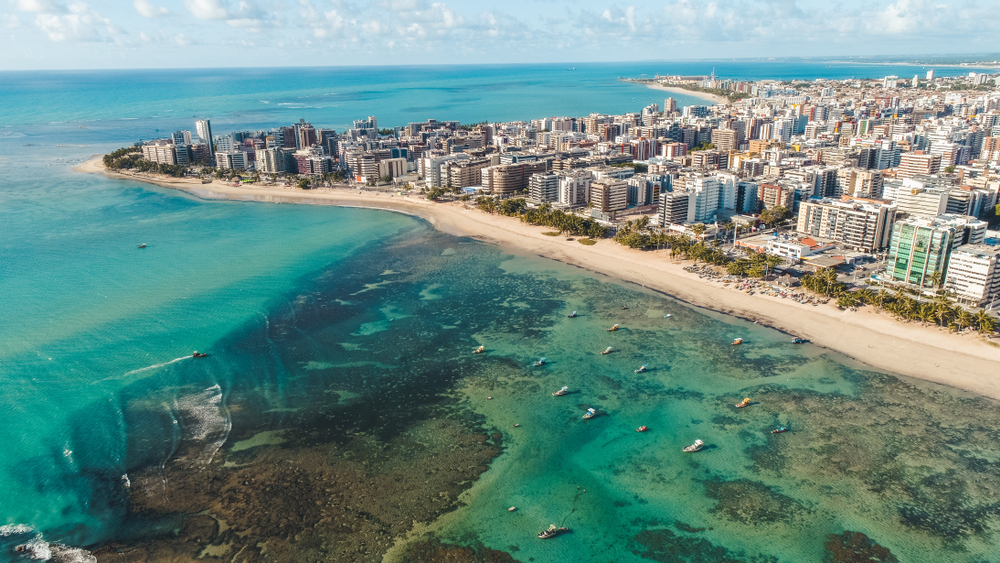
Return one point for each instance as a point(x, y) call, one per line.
point(198, 354)
point(779, 430)
point(744, 403)
point(737, 342)
point(143, 245)
point(696, 446)
point(512, 509)
point(572, 315)
point(642, 369)
point(479, 350)
point(591, 413)
point(539, 363)
point(608, 351)
point(624, 308)
point(641, 429)
point(667, 316)
point(561, 392)
point(797, 340)
point(551, 532)
point(613, 328)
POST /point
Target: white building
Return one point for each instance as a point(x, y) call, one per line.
point(430, 167)
point(161, 151)
point(862, 225)
point(974, 274)
point(574, 187)
point(232, 160)
point(707, 196)
point(394, 167)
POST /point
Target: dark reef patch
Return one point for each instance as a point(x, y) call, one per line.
point(855, 547)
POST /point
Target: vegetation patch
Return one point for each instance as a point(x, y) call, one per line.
point(587, 241)
point(551, 233)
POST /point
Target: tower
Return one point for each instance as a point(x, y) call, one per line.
point(204, 128)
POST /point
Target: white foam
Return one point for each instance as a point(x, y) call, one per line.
point(15, 529)
point(140, 370)
point(205, 419)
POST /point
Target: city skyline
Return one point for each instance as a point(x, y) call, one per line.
point(60, 34)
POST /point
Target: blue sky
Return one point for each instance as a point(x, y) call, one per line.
point(62, 34)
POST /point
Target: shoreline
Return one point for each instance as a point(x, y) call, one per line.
point(876, 339)
point(714, 98)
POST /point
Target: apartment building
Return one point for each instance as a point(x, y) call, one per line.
point(609, 195)
point(974, 274)
point(862, 225)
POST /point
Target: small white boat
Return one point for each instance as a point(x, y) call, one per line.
point(641, 369)
point(539, 363)
point(737, 342)
point(512, 509)
point(479, 350)
point(572, 316)
point(613, 328)
point(697, 445)
point(591, 413)
point(561, 392)
point(667, 316)
point(608, 351)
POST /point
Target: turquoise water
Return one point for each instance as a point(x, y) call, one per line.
point(341, 403)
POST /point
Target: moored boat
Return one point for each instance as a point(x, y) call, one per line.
point(572, 315)
point(697, 445)
point(798, 340)
point(744, 403)
point(608, 351)
point(779, 430)
point(539, 363)
point(479, 350)
point(551, 532)
point(143, 245)
point(561, 392)
point(667, 316)
point(641, 369)
point(641, 429)
point(591, 413)
point(613, 328)
point(737, 342)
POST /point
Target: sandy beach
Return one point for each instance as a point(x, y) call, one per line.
point(714, 98)
point(966, 361)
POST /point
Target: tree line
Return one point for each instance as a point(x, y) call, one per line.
point(542, 215)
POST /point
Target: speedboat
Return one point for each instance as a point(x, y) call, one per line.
point(745, 402)
point(572, 315)
point(641, 369)
point(641, 429)
point(198, 355)
point(479, 350)
point(697, 445)
point(779, 430)
point(737, 342)
point(613, 328)
point(143, 245)
point(539, 363)
point(608, 351)
point(798, 340)
point(667, 316)
point(591, 413)
point(551, 532)
point(561, 392)
point(512, 509)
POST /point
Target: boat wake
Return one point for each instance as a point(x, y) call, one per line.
point(147, 368)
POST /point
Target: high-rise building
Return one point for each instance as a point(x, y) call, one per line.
point(862, 225)
point(676, 208)
point(919, 162)
point(669, 106)
point(510, 178)
point(162, 152)
point(920, 248)
point(544, 187)
point(574, 186)
point(974, 274)
point(204, 129)
point(181, 137)
point(930, 75)
point(609, 195)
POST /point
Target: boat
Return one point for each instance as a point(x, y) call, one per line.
point(641, 369)
point(143, 245)
point(737, 342)
point(561, 392)
point(745, 402)
point(512, 509)
point(624, 308)
point(697, 445)
point(608, 351)
point(198, 354)
point(667, 316)
point(613, 328)
point(798, 340)
point(641, 429)
point(551, 532)
point(779, 430)
point(539, 363)
point(591, 413)
point(572, 315)
point(479, 350)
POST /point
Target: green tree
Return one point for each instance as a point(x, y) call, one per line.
point(304, 184)
point(698, 229)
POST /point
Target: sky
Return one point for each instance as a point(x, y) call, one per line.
point(91, 34)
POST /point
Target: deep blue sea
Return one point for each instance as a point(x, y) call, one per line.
point(341, 408)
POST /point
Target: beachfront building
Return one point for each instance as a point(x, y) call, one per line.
point(675, 208)
point(609, 195)
point(392, 167)
point(463, 173)
point(974, 274)
point(920, 248)
point(574, 186)
point(204, 130)
point(273, 161)
point(430, 168)
point(507, 179)
point(544, 187)
point(161, 151)
point(862, 225)
point(233, 160)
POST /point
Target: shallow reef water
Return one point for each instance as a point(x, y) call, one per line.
point(353, 423)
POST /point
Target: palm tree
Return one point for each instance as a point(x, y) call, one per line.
point(926, 313)
point(964, 319)
point(986, 323)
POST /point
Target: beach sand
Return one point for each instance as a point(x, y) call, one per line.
point(714, 98)
point(966, 361)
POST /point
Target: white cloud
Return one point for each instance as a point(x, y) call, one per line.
point(206, 9)
point(39, 6)
point(148, 10)
point(182, 40)
point(81, 24)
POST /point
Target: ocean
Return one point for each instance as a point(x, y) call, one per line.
point(341, 415)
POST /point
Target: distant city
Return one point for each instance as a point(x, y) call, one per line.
point(904, 171)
